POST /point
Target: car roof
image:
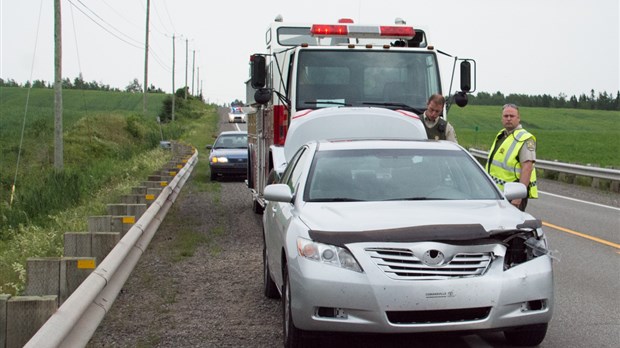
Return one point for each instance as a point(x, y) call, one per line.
point(234, 133)
point(327, 145)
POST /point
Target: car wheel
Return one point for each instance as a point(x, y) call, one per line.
point(292, 335)
point(213, 176)
point(269, 286)
point(527, 336)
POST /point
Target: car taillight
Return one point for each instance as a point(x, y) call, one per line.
point(280, 124)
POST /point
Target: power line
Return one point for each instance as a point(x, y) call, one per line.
point(104, 28)
point(110, 25)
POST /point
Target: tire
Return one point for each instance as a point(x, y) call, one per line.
point(256, 207)
point(291, 334)
point(526, 336)
point(213, 176)
point(250, 176)
point(269, 286)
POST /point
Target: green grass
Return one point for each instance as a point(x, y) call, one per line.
point(108, 148)
point(566, 135)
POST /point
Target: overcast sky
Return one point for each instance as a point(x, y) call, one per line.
point(521, 46)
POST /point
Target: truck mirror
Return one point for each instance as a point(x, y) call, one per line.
point(465, 76)
point(460, 98)
point(258, 71)
point(262, 96)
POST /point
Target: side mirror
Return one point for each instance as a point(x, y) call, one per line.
point(460, 98)
point(514, 190)
point(278, 193)
point(262, 96)
point(258, 71)
point(465, 76)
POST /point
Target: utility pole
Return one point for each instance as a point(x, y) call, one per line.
point(193, 64)
point(146, 58)
point(58, 141)
point(186, 52)
point(197, 79)
point(173, 90)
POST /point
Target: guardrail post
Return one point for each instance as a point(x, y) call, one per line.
point(28, 314)
point(4, 298)
point(86, 244)
point(135, 210)
point(58, 276)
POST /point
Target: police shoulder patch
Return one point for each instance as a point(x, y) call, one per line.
point(531, 144)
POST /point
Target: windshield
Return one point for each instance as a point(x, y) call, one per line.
point(397, 79)
point(396, 174)
point(232, 141)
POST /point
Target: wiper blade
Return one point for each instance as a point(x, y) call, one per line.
point(418, 199)
point(330, 102)
point(398, 105)
point(336, 199)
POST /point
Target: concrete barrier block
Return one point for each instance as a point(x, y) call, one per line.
point(154, 184)
point(122, 224)
point(99, 223)
point(135, 210)
point(4, 298)
point(138, 190)
point(133, 199)
point(58, 276)
point(28, 314)
point(72, 273)
point(42, 276)
point(103, 243)
point(77, 244)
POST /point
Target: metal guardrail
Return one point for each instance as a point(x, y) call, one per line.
point(567, 168)
point(75, 322)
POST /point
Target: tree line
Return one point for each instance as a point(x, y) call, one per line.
point(594, 101)
point(79, 83)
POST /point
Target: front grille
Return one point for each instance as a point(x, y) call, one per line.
point(403, 264)
point(438, 316)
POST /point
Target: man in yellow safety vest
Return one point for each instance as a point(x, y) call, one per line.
point(513, 154)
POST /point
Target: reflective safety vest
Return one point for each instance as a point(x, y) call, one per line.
point(503, 165)
point(438, 131)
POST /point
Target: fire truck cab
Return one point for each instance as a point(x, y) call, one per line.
point(344, 65)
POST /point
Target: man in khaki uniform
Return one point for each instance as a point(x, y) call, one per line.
point(513, 155)
point(436, 127)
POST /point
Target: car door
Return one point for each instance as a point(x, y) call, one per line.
point(278, 215)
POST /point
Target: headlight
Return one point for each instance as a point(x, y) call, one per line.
point(328, 254)
point(219, 160)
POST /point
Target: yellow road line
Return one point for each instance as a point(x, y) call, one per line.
point(598, 240)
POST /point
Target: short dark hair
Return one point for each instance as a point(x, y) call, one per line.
point(437, 98)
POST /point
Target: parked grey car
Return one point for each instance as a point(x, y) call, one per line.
point(391, 236)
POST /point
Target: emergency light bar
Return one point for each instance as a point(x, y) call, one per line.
point(362, 31)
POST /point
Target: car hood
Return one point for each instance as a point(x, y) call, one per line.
point(480, 218)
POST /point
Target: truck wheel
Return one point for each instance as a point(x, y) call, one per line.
point(256, 207)
point(249, 172)
point(527, 336)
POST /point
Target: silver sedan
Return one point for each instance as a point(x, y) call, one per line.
point(388, 236)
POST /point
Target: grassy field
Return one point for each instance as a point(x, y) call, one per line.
point(109, 147)
point(566, 135)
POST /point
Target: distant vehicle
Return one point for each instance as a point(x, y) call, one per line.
point(402, 236)
point(236, 114)
point(229, 155)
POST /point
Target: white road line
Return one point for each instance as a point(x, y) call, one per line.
point(580, 201)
